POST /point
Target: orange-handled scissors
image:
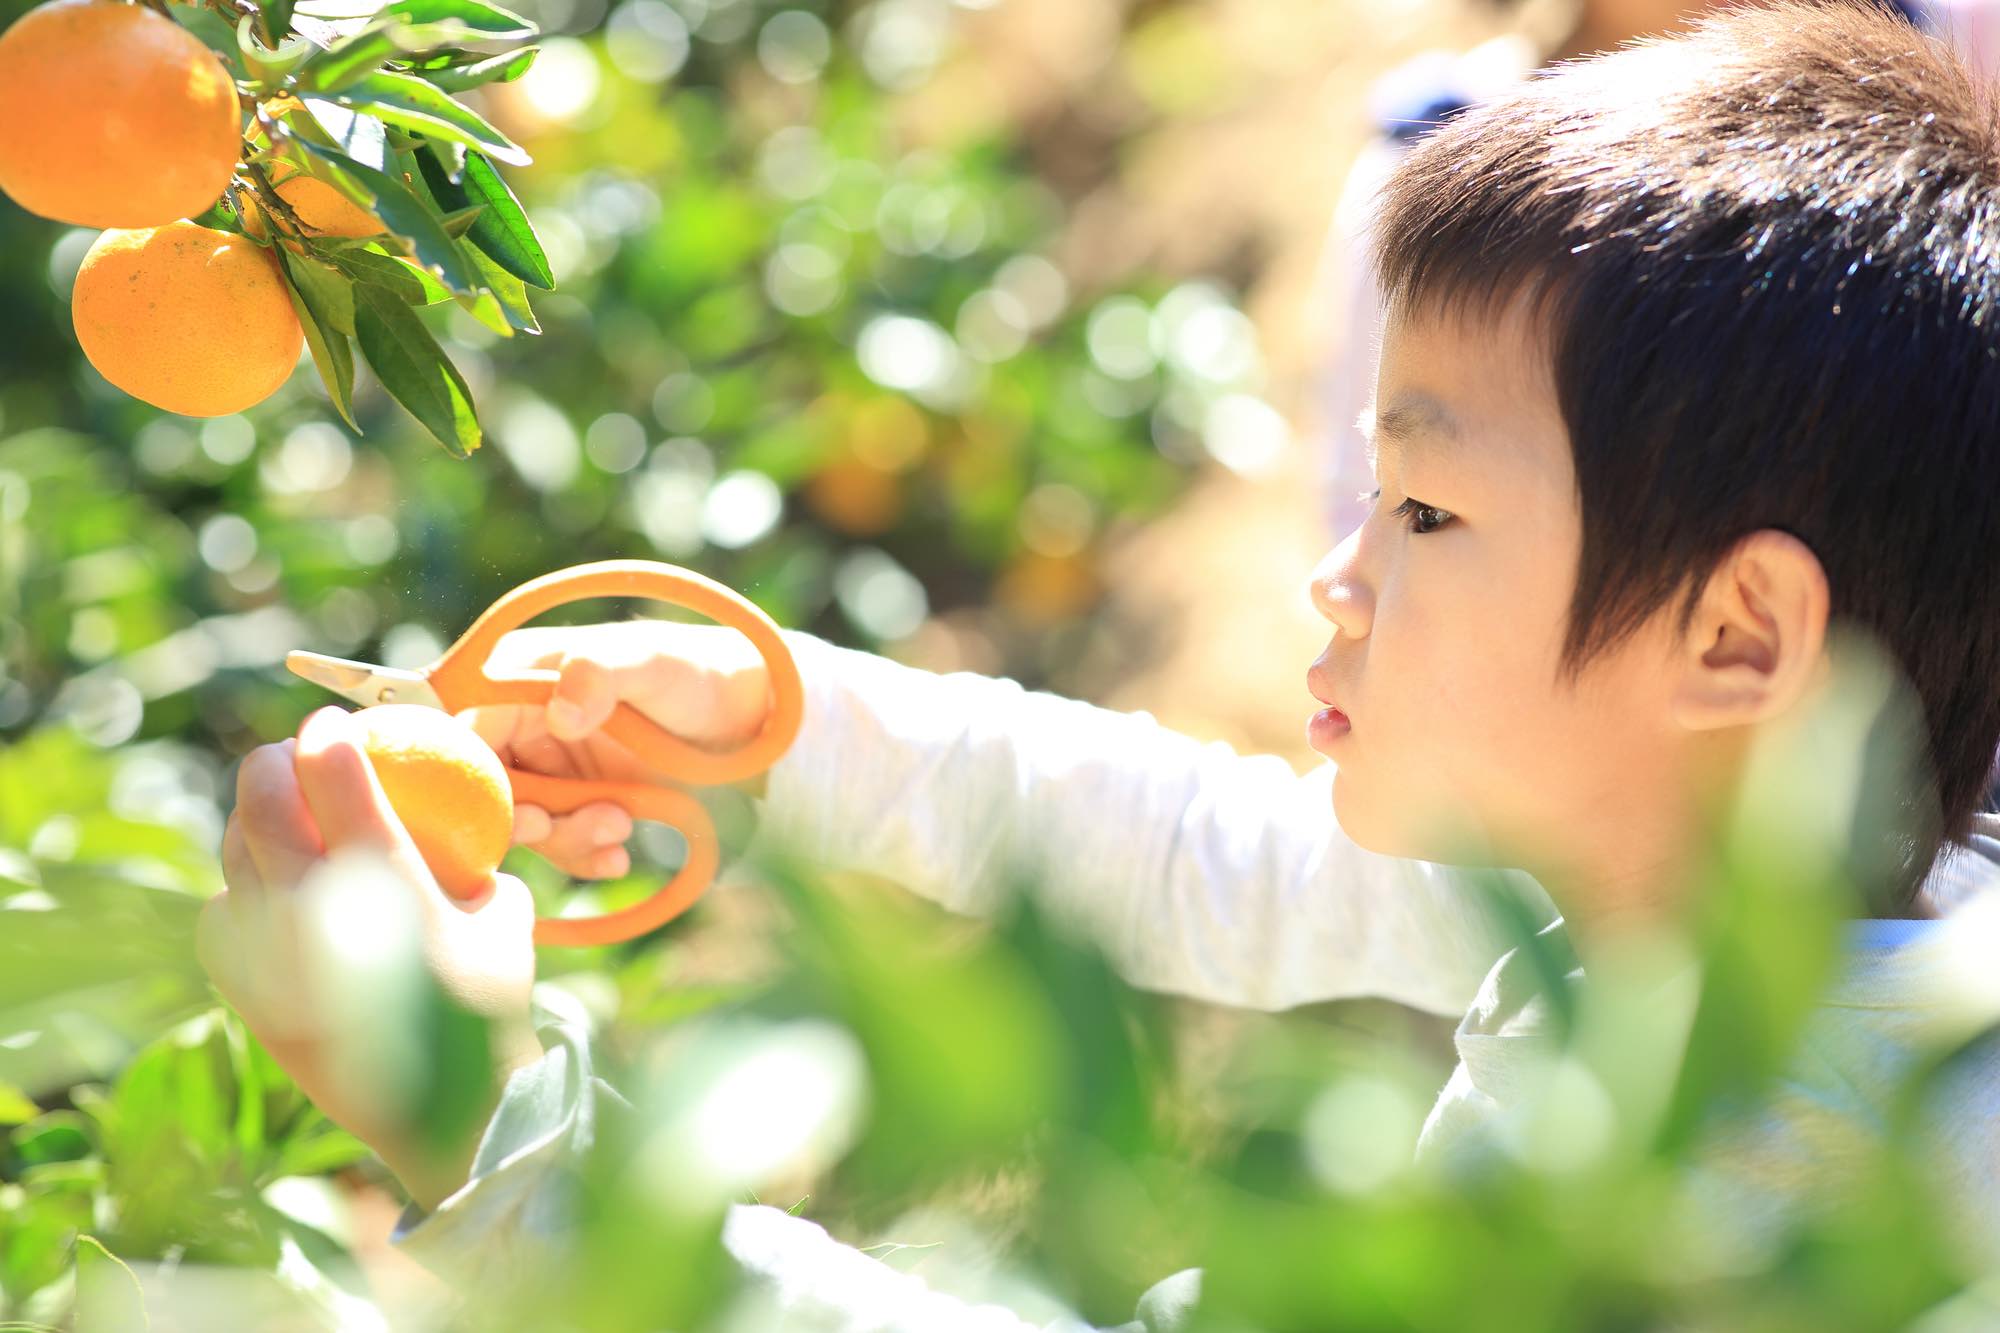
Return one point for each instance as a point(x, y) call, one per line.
point(459, 680)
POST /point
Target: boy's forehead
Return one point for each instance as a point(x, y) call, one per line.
point(1469, 391)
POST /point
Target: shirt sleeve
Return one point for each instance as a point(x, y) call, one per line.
point(1200, 871)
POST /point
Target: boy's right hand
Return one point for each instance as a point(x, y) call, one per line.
point(704, 683)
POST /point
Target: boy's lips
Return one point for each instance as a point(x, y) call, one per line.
point(1329, 724)
point(1325, 727)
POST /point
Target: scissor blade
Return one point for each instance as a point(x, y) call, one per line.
point(363, 683)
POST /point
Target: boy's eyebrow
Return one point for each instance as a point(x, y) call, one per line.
point(1413, 418)
point(1415, 415)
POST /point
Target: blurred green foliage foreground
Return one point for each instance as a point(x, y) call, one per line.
point(838, 369)
point(889, 1047)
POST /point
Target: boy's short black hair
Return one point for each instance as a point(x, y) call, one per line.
point(1765, 257)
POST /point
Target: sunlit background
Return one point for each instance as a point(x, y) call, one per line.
point(985, 335)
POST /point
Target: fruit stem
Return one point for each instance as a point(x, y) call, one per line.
point(256, 11)
point(274, 203)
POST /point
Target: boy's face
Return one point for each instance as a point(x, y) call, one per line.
point(1449, 607)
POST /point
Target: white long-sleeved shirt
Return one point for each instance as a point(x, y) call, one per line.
point(1201, 872)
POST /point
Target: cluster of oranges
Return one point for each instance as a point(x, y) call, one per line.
point(117, 117)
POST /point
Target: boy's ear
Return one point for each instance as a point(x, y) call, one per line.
point(1758, 635)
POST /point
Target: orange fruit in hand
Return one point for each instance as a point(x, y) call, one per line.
point(449, 789)
point(115, 116)
point(187, 318)
point(324, 210)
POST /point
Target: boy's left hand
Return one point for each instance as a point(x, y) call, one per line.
point(312, 803)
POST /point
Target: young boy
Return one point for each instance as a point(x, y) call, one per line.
point(1692, 353)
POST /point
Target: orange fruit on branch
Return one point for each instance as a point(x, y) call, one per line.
point(449, 789)
point(187, 318)
point(114, 116)
point(324, 210)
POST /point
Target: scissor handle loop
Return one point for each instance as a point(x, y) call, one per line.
point(461, 680)
point(666, 805)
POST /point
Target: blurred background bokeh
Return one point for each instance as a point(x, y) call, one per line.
point(980, 334)
point(988, 335)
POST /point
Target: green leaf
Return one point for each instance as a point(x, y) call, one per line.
point(278, 16)
point(318, 1154)
point(399, 30)
point(363, 138)
point(108, 1295)
point(250, 1124)
point(219, 216)
point(458, 1060)
point(405, 215)
point(452, 155)
point(673, 1004)
point(402, 99)
point(15, 1108)
point(270, 66)
point(503, 232)
point(57, 1136)
point(51, 771)
point(455, 78)
point(351, 58)
point(214, 32)
point(469, 18)
point(485, 308)
point(460, 220)
point(322, 300)
point(506, 297)
point(329, 293)
point(400, 276)
point(414, 369)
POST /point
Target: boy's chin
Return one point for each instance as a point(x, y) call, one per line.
point(1404, 825)
point(1364, 819)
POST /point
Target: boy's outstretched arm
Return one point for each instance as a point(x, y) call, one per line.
point(1201, 871)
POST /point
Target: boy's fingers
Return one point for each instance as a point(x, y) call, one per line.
point(606, 863)
point(239, 870)
point(576, 841)
point(522, 649)
point(597, 863)
point(276, 826)
point(532, 824)
point(498, 725)
point(583, 699)
point(344, 794)
point(704, 698)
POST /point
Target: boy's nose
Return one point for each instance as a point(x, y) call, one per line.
point(1338, 593)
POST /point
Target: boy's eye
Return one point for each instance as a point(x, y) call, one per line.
point(1421, 517)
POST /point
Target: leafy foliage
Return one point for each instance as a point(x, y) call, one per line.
point(691, 273)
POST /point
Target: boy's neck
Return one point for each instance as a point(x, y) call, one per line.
point(1617, 896)
point(1637, 875)
point(1631, 865)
